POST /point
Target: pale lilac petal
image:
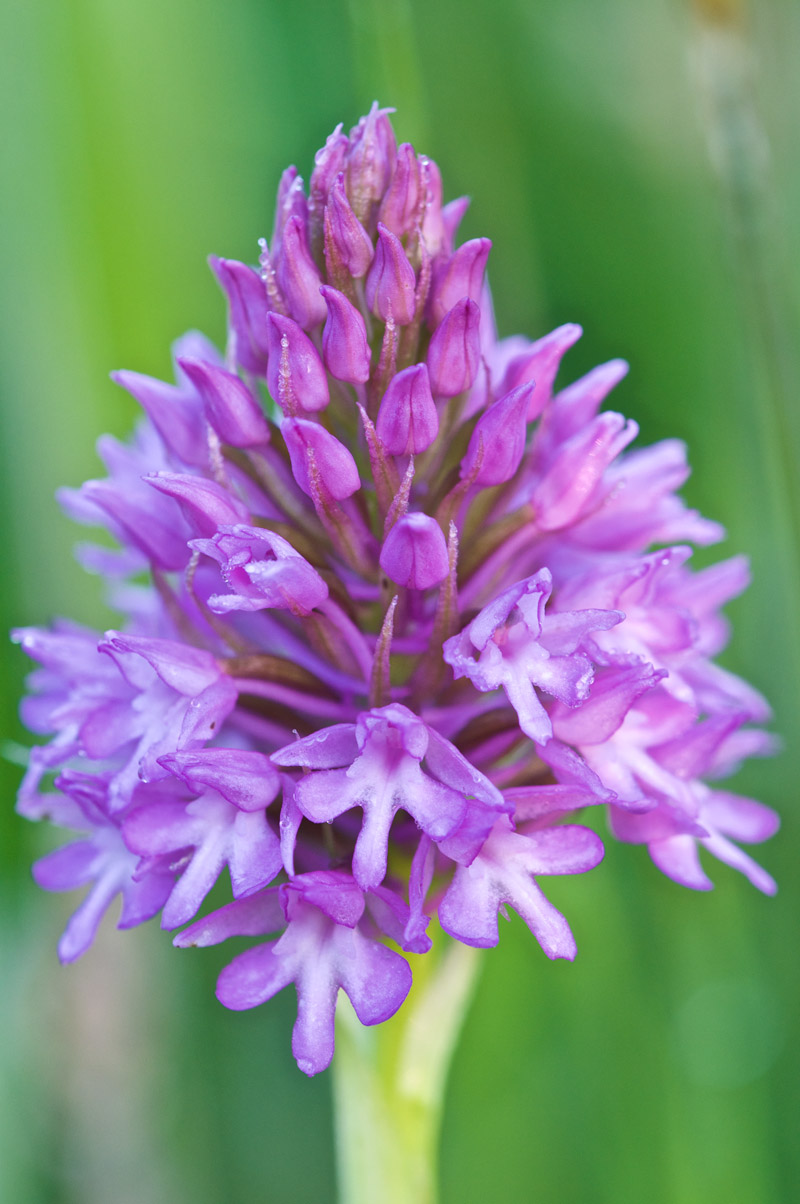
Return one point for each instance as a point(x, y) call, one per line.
point(677, 858)
point(740, 818)
point(252, 978)
point(66, 868)
point(255, 915)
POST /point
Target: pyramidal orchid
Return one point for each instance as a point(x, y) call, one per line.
point(405, 619)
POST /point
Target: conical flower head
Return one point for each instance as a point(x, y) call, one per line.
point(405, 618)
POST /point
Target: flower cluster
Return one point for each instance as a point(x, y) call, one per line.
point(403, 618)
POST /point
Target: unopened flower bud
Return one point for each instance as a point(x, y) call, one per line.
point(391, 284)
point(328, 162)
point(313, 449)
point(432, 224)
point(344, 339)
point(407, 420)
point(497, 443)
point(248, 307)
point(414, 553)
point(348, 247)
point(400, 204)
point(459, 276)
point(295, 374)
point(291, 202)
point(230, 407)
point(371, 159)
point(298, 277)
point(455, 352)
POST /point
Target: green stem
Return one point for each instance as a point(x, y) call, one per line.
point(389, 1083)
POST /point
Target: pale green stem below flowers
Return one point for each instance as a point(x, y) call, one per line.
point(389, 1082)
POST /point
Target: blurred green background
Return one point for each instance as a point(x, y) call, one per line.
point(636, 166)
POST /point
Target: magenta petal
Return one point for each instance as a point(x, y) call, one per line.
point(205, 504)
point(328, 748)
point(333, 892)
point(242, 776)
point(540, 363)
point(313, 1032)
point(323, 795)
point(176, 413)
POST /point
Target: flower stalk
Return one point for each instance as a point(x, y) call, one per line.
point(389, 1083)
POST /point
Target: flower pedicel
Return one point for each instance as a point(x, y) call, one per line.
point(404, 619)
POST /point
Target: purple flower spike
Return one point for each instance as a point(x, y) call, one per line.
point(460, 276)
point(344, 339)
point(313, 450)
point(497, 443)
point(230, 407)
point(518, 646)
point(455, 352)
point(295, 375)
point(407, 420)
point(504, 873)
point(414, 553)
point(385, 653)
point(298, 277)
point(319, 952)
point(348, 247)
point(391, 283)
point(248, 306)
